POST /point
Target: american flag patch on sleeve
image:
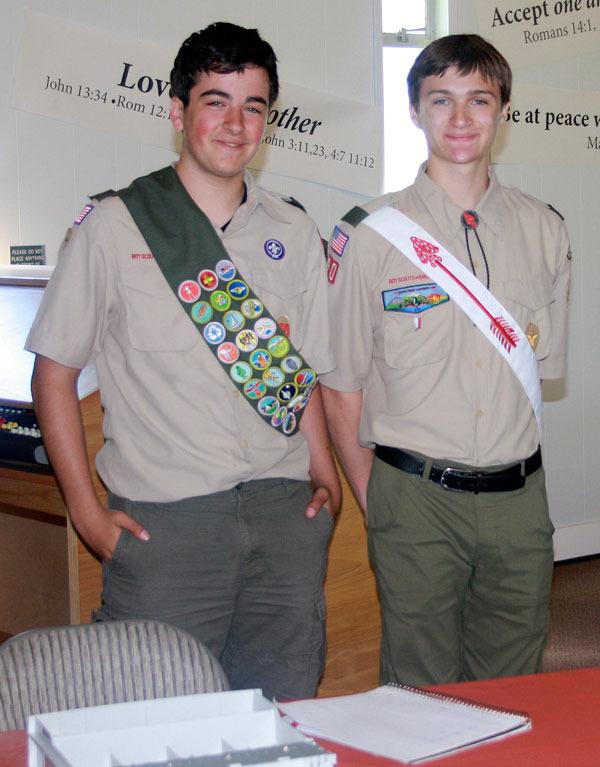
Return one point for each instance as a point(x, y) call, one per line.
point(80, 218)
point(339, 240)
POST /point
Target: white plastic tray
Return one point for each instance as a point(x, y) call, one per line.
point(222, 728)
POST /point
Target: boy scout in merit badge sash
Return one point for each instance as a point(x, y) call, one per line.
point(254, 351)
point(473, 298)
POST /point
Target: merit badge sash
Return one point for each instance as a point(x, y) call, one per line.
point(473, 298)
point(252, 349)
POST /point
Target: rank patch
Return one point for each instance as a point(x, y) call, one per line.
point(81, 217)
point(414, 299)
point(339, 240)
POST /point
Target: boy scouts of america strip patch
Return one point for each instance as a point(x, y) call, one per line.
point(259, 359)
point(81, 217)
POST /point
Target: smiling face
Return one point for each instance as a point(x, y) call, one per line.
point(223, 122)
point(459, 115)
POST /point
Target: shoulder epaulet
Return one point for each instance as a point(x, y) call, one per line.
point(101, 195)
point(293, 201)
point(355, 215)
point(539, 202)
point(560, 215)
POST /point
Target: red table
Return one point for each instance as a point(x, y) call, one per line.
point(564, 707)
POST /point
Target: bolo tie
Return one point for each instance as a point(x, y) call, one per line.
point(470, 221)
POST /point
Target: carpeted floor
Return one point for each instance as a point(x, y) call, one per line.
point(574, 640)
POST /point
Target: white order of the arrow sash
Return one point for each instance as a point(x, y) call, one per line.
point(473, 298)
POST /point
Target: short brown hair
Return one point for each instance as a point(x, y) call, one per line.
point(468, 53)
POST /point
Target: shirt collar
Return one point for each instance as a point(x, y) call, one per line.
point(448, 215)
point(273, 206)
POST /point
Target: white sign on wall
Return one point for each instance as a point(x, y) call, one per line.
point(540, 31)
point(551, 126)
point(90, 77)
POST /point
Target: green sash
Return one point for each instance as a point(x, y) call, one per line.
point(254, 352)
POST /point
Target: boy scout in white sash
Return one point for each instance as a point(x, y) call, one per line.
point(222, 484)
point(444, 320)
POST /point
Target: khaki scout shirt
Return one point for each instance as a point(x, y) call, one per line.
point(431, 382)
point(175, 425)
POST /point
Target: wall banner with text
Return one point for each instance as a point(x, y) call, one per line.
point(549, 30)
point(90, 77)
point(551, 126)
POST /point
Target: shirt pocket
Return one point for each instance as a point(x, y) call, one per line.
point(414, 339)
point(156, 322)
point(284, 296)
point(415, 350)
point(529, 304)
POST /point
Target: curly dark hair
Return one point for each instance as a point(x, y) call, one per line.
point(468, 53)
point(221, 47)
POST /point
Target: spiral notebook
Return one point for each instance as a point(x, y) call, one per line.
point(403, 723)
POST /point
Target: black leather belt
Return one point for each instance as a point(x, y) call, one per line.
point(463, 480)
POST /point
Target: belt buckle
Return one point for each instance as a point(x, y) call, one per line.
point(449, 471)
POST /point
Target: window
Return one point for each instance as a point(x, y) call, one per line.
point(407, 26)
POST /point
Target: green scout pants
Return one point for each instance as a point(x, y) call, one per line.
point(464, 579)
point(242, 570)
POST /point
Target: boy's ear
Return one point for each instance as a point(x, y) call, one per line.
point(176, 116)
point(414, 115)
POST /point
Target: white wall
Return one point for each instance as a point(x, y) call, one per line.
point(572, 408)
point(47, 168)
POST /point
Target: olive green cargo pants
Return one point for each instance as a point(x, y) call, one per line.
point(464, 579)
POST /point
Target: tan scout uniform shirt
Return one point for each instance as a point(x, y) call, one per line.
point(441, 389)
point(175, 425)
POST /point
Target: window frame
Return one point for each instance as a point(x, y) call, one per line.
point(413, 38)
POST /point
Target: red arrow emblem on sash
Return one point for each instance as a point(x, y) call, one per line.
point(429, 253)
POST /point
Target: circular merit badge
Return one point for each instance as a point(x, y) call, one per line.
point(279, 346)
point(208, 279)
point(240, 372)
point(279, 417)
point(189, 291)
point(306, 377)
point(260, 359)
point(220, 300)
point(289, 424)
point(274, 249)
point(201, 312)
point(265, 327)
point(273, 377)
point(298, 403)
point(238, 290)
point(225, 270)
point(255, 389)
point(268, 406)
point(291, 364)
point(228, 352)
point(287, 392)
point(214, 333)
point(252, 308)
point(246, 340)
point(233, 321)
